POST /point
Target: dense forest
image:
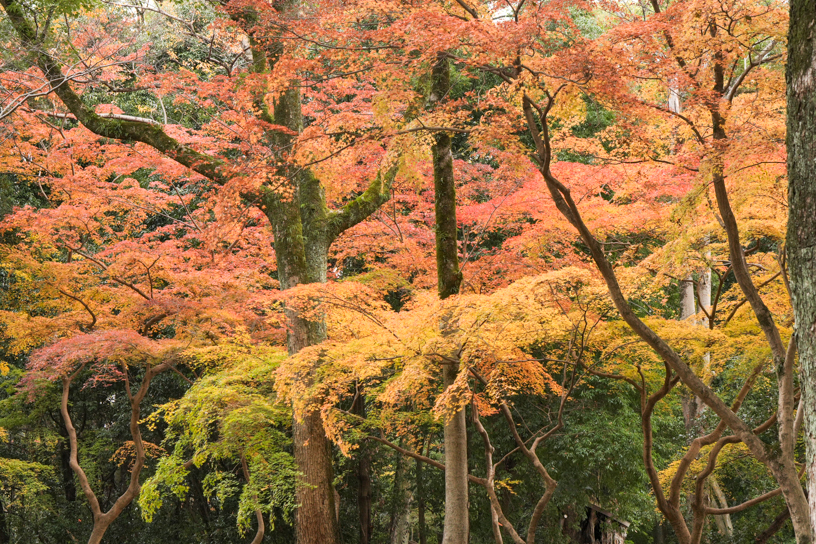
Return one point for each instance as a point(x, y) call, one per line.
point(405, 271)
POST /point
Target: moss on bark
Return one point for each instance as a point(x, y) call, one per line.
point(801, 236)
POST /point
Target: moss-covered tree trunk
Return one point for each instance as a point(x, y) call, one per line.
point(801, 242)
point(301, 247)
point(449, 278)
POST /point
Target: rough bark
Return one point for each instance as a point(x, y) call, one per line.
point(801, 238)
point(449, 279)
point(447, 251)
point(303, 229)
point(301, 248)
point(316, 520)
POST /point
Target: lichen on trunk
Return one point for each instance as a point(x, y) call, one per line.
point(801, 236)
point(449, 279)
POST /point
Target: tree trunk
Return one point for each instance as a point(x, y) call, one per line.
point(401, 523)
point(67, 472)
point(316, 520)
point(456, 471)
point(447, 251)
point(302, 228)
point(301, 247)
point(5, 538)
point(449, 279)
point(688, 306)
point(689, 402)
point(363, 479)
point(801, 239)
point(400, 502)
point(774, 528)
point(724, 525)
point(704, 291)
point(657, 534)
point(259, 532)
point(420, 494)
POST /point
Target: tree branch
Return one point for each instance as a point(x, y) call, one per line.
point(128, 130)
point(377, 193)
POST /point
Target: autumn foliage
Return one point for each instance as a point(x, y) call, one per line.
point(224, 213)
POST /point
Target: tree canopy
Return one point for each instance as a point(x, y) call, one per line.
point(398, 271)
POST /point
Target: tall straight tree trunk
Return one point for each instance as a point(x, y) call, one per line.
point(457, 525)
point(422, 528)
point(449, 276)
point(301, 249)
point(801, 240)
point(688, 306)
point(363, 479)
point(400, 527)
point(723, 522)
point(400, 502)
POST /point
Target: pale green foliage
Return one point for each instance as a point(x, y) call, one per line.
point(229, 414)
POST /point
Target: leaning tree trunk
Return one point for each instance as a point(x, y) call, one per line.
point(801, 242)
point(449, 277)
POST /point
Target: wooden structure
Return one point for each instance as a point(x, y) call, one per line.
point(601, 527)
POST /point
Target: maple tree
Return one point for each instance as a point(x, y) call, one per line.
point(200, 172)
point(484, 335)
point(782, 466)
point(758, 53)
point(234, 397)
point(303, 227)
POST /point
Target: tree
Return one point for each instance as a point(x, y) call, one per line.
point(801, 238)
point(229, 417)
point(782, 465)
point(449, 278)
point(295, 204)
point(208, 183)
point(564, 65)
